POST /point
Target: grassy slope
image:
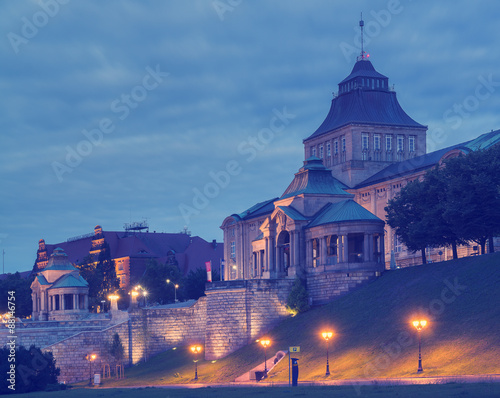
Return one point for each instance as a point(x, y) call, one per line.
point(373, 334)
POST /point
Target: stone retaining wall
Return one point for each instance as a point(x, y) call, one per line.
point(325, 287)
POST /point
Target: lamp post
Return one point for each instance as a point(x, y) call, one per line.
point(176, 286)
point(103, 302)
point(419, 325)
point(90, 358)
point(265, 343)
point(327, 336)
point(196, 349)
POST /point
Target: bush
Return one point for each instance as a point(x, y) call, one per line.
point(34, 370)
point(298, 299)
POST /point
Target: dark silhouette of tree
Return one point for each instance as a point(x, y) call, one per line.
point(154, 281)
point(194, 283)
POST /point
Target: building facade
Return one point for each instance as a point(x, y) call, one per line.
point(58, 291)
point(132, 250)
point(372, 149)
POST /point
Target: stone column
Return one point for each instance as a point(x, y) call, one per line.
point(366, 248)
point(267, 254)
point(296, 248)
point(309, 253)
point(323, 245)
point(61, 302)
point(86, 300)
point(340, 249)
point(345, 253)
point(382, 249)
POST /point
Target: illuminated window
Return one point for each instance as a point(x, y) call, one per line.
point(315, 252)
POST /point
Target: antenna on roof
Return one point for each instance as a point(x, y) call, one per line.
point(361, 24)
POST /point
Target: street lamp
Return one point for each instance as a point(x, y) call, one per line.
point(103, 302)
point(327, 336)
point(175, 289)
point(419, 325)
point(265, 343)
point(90, 358)
point(196, 349)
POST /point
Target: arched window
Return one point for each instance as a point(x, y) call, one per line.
point(315, 252)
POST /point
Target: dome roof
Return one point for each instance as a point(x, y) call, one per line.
point(59, 261)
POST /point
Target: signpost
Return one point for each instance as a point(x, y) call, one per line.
point(290, 350)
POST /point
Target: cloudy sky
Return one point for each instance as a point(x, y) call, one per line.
point(184, 112)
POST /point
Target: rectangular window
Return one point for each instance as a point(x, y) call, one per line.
point(233, 250)
point(401, 143)
point(376, 142)
point(365, 141)
point(411, 143)
point(328, 149)
point(343, 144)
point(388, 142)
point(336, 147)
point(321, 151)
point(313, 151)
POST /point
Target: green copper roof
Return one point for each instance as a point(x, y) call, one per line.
point(292, 213)
point(41, 280)
point(347, 210)
point(484, 141)
point(59, 261)
point(315, 179)
point(69, 280)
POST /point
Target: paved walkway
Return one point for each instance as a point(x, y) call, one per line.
point(352, 382)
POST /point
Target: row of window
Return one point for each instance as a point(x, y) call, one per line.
point(339, 145)
point(389, 146)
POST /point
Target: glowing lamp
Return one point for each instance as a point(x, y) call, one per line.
point(327, 335)
point(195, 349)
point(419, 325)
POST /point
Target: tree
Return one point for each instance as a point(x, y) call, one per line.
point(34, 370)
point(194, 283)
point(473, 195)
point(100, 275)
point(154, 280)
point(116, 349)
point(456, 203)
point(298, 298)
point(22, 288)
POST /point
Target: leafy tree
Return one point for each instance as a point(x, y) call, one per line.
point(100, 275)
point(298, 298)
point(473, 195)
point(21, 287)
point(194, 283)
point(116, 349)
point(456, 203)
point(34, 370)
point(154, 281)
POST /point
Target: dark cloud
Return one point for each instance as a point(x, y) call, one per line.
point(227, 74)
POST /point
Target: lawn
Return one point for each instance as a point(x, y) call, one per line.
point(373, 334)
point(426, 391)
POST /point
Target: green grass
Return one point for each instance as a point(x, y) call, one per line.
point(373, 335)
point(427, 391)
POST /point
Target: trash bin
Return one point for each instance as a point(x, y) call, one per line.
point(97, 379)
point(295, 371)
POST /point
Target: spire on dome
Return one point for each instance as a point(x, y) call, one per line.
point(363, 55)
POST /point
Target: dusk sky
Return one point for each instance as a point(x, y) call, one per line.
point(118, 111)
